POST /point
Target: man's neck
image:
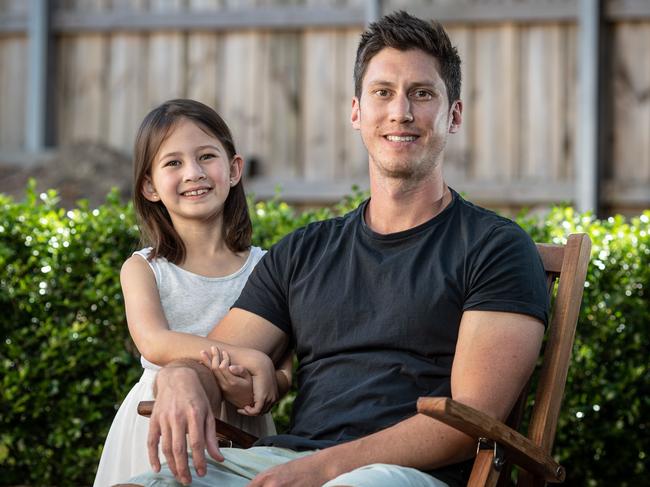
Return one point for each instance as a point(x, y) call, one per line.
point(396, 206)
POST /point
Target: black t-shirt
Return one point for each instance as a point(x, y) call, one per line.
point(374, 319)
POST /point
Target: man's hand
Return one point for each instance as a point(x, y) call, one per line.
point(309, 471)
point(182, 408)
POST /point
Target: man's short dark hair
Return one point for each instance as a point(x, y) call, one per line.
point(402, 31)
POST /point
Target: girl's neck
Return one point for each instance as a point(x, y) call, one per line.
point(206, 252)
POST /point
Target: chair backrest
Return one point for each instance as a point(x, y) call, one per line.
point(566, 266)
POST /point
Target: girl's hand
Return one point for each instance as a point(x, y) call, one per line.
point(265, 385)
point(235, 382)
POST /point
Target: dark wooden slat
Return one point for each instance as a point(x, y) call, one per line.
point(479, 425)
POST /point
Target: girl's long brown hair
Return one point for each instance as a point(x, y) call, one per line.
point(155, 223)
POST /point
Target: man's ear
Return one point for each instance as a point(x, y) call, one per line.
point(355, 116)
point(455, 116)
point(148, 190)
point(236, 169)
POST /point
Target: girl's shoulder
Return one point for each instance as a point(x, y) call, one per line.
point(139, 261)
point(144, 252)
point(256, 255)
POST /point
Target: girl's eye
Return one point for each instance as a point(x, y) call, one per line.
point(205, 157)
point(173, 163)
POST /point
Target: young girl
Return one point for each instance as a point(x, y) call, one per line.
point(192, 211)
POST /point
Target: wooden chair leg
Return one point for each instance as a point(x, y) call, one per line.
point(484, 473)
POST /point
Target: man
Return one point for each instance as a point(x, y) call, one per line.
point(415, 293)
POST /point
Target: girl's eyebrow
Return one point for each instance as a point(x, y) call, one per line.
point(209, 146)
point(199, 148)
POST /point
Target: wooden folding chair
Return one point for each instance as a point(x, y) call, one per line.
point(499, 444)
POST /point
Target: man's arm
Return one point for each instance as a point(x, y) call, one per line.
point(186, 393)
point(495, 354)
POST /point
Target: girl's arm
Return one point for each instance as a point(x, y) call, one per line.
point(160, 345)
point(284, 374)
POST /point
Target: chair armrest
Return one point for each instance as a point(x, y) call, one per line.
point(223, 430)
point(476, 424)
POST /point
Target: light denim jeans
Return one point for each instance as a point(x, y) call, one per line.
point(240, 466)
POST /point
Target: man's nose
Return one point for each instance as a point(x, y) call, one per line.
point(400, 109)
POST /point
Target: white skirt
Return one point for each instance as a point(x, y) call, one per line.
point(125, 450)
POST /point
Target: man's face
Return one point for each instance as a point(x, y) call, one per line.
point(403, 114)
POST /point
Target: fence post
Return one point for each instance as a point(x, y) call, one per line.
point(587, 191)
point(37, 82)
point(373, 11)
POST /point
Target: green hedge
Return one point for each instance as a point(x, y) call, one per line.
point(67, 361)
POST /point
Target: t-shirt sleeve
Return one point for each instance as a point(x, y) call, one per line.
point(265, 292)
point(507, 275)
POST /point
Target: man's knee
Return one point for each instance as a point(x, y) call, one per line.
point(384, 475)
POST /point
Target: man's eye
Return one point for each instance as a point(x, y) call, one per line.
point(382, 93)
point(422, 95)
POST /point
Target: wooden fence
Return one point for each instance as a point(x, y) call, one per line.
point(280, 72)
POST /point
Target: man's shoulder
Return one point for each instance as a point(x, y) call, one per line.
point(473, 213)
point(320, 230)
point(481, 228)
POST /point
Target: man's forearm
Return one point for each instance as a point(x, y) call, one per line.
point(419, 442)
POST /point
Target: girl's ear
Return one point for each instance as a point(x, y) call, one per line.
point(236, 169)
point(148, 190)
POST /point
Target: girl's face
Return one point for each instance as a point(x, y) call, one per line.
point(191, 174)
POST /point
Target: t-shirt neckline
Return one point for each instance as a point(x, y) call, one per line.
point(411, 231)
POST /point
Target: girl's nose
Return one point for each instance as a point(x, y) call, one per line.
point(194, 172)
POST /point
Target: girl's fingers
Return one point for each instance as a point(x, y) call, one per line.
point(217, 353)
point(225, 360)
point(216, 358)
point(206, 359)
point(238, 370)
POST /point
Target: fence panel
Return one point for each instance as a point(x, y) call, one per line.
point(631, 126)
point(13, 73)
point(285, 89)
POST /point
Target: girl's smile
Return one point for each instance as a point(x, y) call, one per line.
point(191, 174)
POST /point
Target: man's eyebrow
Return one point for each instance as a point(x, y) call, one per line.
point(382, 82)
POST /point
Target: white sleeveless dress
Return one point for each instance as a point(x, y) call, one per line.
point(192, 304)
